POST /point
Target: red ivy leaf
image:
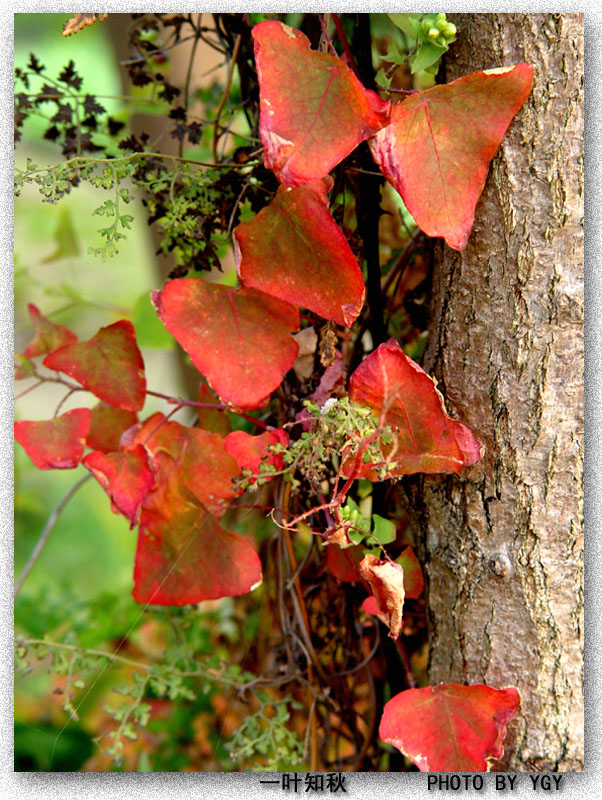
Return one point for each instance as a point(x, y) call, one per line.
point(125, 476)
point(184, 555)
point(55, 443)
point(249, 451)
point(427, 439)
point(437, 149)
point(109, 365)
point(294, 250)
point(313, 110)
point(237, 338)
point(449, 728)
point(386, 581)
point(214, 420)
point(106, 426)
point(49, 335)
point(198, 457)
point(344, 562)
point(413, 581)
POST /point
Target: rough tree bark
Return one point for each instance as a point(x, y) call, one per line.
point(504, 541)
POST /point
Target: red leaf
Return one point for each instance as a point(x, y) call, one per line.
point(214, 420)
point(449, 728)
point(125, 476)
point(106, 426)
point(437, 149)
point(344, 562)
point(237, 338)
point(184, 555)
point(249, 451)
point(427, 440)
point(55, 443)
point(413, 581)
point(294, 250)
point(386, 581)
point(109, 365)
point(49, 335)
point(196, 456)
point(313, 110)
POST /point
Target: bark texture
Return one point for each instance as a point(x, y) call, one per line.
point(504, 540)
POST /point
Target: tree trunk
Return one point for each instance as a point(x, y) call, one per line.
point(504, 540)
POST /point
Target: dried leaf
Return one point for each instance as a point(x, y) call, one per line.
point(79, 21)
point(313, 110)
point(239, 339)
point(437, 149)
point(294, 250)
point(449, 727)
point(386, 581)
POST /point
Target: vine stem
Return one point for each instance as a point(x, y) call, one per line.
point(303, 609)
point(52, 520)
point(222, 103)
point(215, 406)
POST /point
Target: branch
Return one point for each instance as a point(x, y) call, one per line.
point(53, 519)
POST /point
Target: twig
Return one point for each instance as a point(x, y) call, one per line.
point(46, 532)
point(222, 102)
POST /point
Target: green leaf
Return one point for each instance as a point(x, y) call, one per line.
point(383, 529)
point(408, 23)
point(427, 56)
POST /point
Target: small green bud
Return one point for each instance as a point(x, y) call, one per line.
point(426, 26)
point(450, 30)
point(440, 17)
point(433, 33)
point(440, 24)
point(442, 41)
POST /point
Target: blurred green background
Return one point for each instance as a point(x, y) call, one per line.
point(90, 552)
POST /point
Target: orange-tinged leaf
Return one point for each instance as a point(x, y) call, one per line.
point(344, 562)
point(106, 427)
point(184, 555)
point(79, 21)
point(449, 727)
point(294, 250)
point(413, 580)
point(239, 339)
point(386, 581)
point(49, 335)
point(211, 419)
point(197, 457)
point(55, 443)
point(125, 476)
point(437, 149)
point(313, 110)
point(109, 365)
point(249, 451)
point(427, 439)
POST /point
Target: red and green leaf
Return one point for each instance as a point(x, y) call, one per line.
point(449, 727)
point(125, 476)
point(109, 365)
point(57, 443)
point(427, 439)
point(107, 424)
point(239, 339)
point(211, 419)
point(313, 110)
point(294, 250)
point(413, 580)
point(437, 149)
point(249, 451)
point(184, 556)
point(48, 335)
